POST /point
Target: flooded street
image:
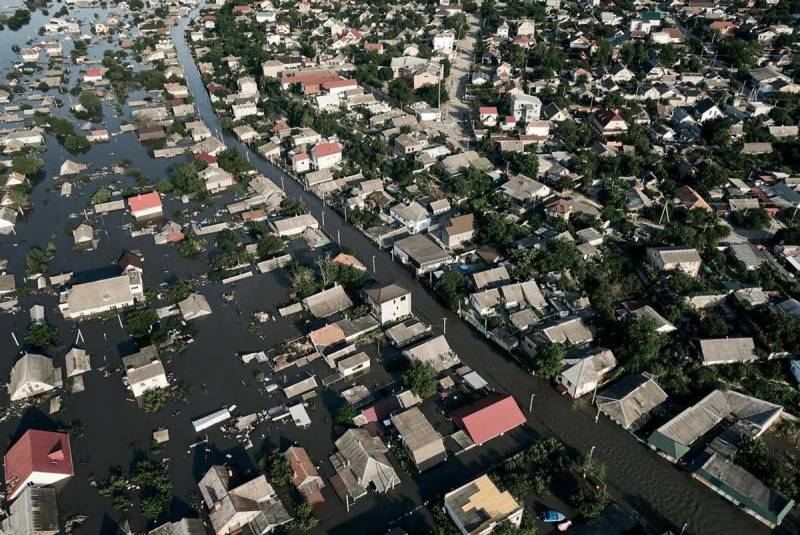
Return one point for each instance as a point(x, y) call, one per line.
point(117, 432)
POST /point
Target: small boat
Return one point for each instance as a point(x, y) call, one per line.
point(552, 516)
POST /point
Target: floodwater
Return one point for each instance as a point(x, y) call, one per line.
point(117, 432)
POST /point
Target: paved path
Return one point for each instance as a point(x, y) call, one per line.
point(660, 493)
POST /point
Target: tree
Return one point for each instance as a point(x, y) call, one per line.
point(639, 343)
point(227, 240)
point(269, 245)
point(139, 323)
point(179, 290)
point(92, 105)
point(304, 519)
point(717, 131)
point(20, 18)
point(36, 261)
point(400, 92)
point(589, 501)
point(103, 194)
point(345, 414)
point(41, 335)
point(754, 456)
point(507, 528)
point(156, 488)
point(713, 325)
point(191, 245)
point(116, 489)
point(27, 164)
point(277, 467)
point(291, 207)
point(421, 378)
point(154, 400)
point(304, 280)
point(75, 144)
point(452, 287)
point(233, 162)
point(548, 360)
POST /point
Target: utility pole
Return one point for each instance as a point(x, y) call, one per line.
point(373, 264)
point(530, 403)
point(684, 527)
point(588, 460)
point(441, 75)
point(444, 325)
point(338, 237)
point(323, 218)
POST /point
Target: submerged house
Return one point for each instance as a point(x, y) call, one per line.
point(360, 462)
point(479, 506)
point(423, 443)
point(745, 414)
point(250, 507)
point(32, 375)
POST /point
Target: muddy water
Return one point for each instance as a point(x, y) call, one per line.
point(662, 495)
point(117, 432)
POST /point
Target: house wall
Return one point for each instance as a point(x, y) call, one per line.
point(395, 309)
point(147, 212)
point(38, 479)
point(29, 389)
point(94, 311)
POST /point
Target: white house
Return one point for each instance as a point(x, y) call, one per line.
point(96, 297)
point(216, 178)
point(413, 216)
point(144, 371)
point(247, 87)
point(353, 364)
point(389, 303)
point(326, 155)
point(301, 162)
point(525, 107)
point(443, 42)
point(581, 376)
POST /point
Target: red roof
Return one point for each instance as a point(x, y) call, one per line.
point(311, 78)
point(326, 149)
point(36, 451)
point(144, 201)
point(489, 417)
point(302, 467)
point(487, 110)
point(206, 157)
point(344, 82)
point(95, 72)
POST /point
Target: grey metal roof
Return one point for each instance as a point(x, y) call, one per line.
point(739, 479)
point(418, 434)
point(488, 277)
point(328, 302)
point(364, 456)
point(630, 400)
point(755, 415)
point(716, 350)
